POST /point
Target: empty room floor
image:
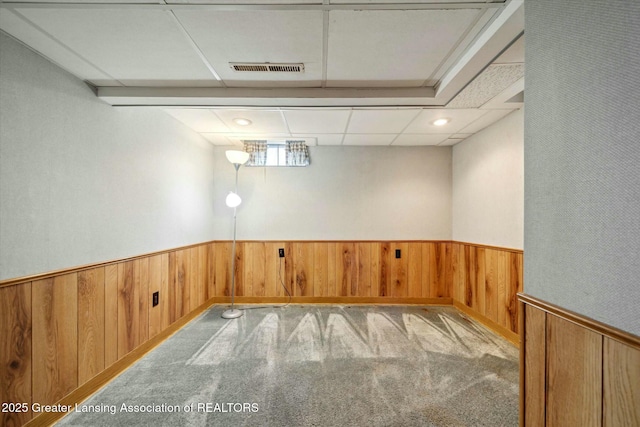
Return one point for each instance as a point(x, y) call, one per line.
point(317, 366)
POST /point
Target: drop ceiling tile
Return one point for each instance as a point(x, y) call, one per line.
point(419, 139)
point(198, 119)
point(217, 139)
point(450, 141)
point(262, 121)
point(277, 36)
point(392, 47)
point(368, 139)
point(458, 119)
point(127, 44)
point(381, 121)
point(487, 119)
point(237, 138)
point(49, 48)
point(317, 121)
point(323, 138)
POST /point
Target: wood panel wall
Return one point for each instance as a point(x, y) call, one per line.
point(336, 270)
point(15, 351)
point(486, 282)
point(576, 371)
point(62, 329)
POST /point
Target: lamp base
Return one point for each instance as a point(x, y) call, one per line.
point(232, 314)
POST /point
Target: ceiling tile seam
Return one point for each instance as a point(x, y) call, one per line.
point(418, 111)
point(472, 122)
point(286, 123)
point(439, 144)
point(195, 47)
point(325, 46)
point(456, 45)
point(394, 139)
point(65, 47)
point(219, 118)
point(346, 126)
point(448, 135)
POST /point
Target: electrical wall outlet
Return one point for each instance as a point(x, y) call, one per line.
point(398, 253)
point(281, 252)
point(156, 298)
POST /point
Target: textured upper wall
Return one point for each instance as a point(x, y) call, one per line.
point(347, 193)
point(488, 187)
point(83, 182)
point(582, 157)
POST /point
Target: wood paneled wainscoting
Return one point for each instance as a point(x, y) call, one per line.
point(575, 371)
point(66, 333)
point(486, 282)
point(345, 271)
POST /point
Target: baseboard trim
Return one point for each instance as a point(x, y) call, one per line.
point(86, 390)
point(509, 335)
point(336, 300)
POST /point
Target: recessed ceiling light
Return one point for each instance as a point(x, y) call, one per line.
point(440, 122)
point(242, 122)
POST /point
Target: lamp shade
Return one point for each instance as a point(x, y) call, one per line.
point(237, 157)
point(233, 200)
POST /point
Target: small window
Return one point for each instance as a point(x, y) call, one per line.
point(277, 153)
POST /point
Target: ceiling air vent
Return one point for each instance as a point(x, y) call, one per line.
point(267, 67)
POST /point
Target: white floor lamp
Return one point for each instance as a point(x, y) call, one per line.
point(237, 158)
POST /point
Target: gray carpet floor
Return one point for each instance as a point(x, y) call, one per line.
point(318, 366)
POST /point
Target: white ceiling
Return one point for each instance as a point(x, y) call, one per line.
point(376, 72)
point(339, 126)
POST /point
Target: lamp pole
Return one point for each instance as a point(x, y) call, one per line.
point(232, 313)
point(237, 158)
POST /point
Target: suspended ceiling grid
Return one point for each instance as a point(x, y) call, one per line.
point(382, 69)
